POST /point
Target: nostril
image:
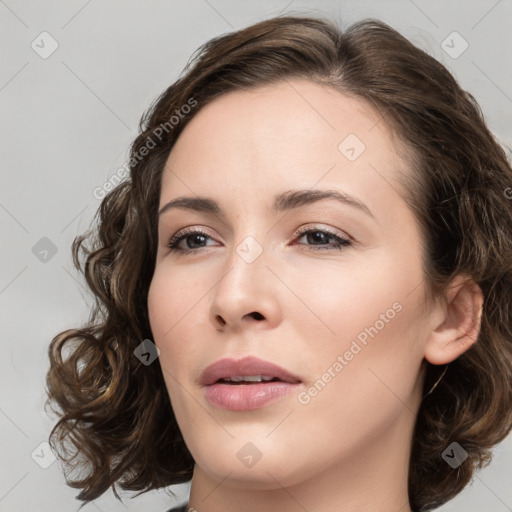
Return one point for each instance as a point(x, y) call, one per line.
point(221, 320)
point(257, 316)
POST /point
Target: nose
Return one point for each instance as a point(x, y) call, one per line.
point(246, 294)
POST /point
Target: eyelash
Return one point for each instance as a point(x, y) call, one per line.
point(340, 243)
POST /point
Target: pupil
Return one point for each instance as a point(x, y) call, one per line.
point(195, 238)
point(318, 236)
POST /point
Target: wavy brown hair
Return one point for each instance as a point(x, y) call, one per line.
point(116, 424)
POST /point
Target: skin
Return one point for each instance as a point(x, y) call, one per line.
point(347, 448)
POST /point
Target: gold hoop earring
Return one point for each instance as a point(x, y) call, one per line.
point(437, 382)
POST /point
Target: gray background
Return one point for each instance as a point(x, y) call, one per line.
point(67, 121)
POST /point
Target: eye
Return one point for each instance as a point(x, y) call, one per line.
point(192, 238)
point(319, 238)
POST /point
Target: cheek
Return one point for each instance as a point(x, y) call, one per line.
point(362, 383)
point(169, 304)
point(339, 300)
point(371, 316)
point(172, 296)
point(178, 319)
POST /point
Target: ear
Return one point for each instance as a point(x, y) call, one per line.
point(455, 321)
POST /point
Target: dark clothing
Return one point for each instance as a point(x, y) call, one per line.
point(183, 508)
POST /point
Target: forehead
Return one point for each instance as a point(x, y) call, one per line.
point(293, 133)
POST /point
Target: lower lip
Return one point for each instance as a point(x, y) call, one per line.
point(245, 397)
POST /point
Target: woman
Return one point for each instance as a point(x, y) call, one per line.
point(302, 290)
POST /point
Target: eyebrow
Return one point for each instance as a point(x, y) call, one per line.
point(283, 201)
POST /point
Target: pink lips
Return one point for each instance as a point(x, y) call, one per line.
point(245, 396)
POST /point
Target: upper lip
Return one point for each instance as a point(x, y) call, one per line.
point(248, 365)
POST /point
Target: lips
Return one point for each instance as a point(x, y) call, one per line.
point(229, 368)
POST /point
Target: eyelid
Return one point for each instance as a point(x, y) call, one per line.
point(333, 231)
point(299, 231)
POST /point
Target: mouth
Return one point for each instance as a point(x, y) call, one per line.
point(246, 384)
point(248, 370)
point(248, 379)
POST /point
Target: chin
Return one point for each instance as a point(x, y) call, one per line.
point(254, 465)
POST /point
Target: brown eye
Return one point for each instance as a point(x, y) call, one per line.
point(319, 238)
point(193, 238)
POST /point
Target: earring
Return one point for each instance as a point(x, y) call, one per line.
point(437, 382)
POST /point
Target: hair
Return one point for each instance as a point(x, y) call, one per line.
point(116, 424)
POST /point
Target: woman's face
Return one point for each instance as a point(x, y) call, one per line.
point(267, 279)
